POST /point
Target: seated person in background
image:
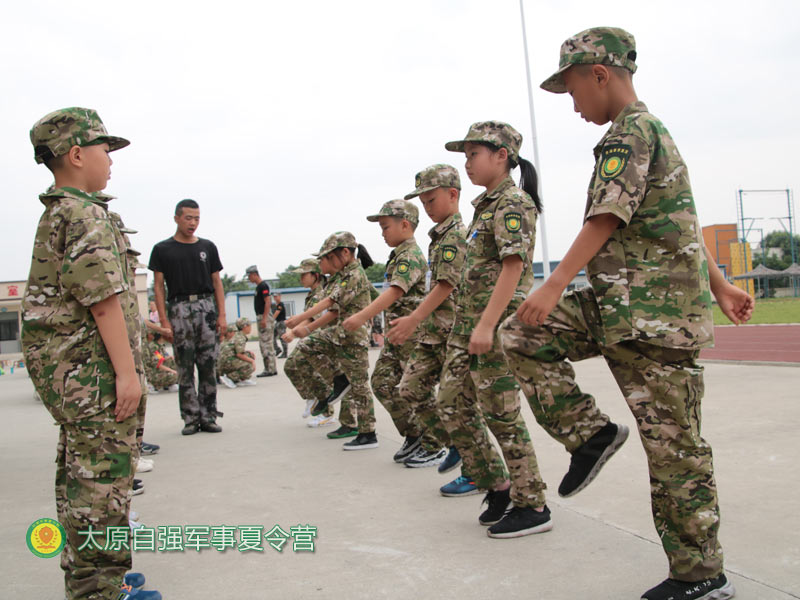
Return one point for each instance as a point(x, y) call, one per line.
point(236, 365)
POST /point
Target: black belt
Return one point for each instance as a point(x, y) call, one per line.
point(190, 297)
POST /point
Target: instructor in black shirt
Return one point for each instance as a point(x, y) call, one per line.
point(193, 314)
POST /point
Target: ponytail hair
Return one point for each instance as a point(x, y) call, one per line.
point(364, 257)
point(529, 182)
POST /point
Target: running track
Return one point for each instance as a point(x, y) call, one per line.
point(768, 343)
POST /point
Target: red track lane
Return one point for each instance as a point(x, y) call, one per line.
point(769, 343)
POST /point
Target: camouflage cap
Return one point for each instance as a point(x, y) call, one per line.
point(309, 265)
point(251, 269)
point(398, 208)
point(433, 177)
point(54, 134)
point(496, 133)
point(609, 46)
point(340, 239)
point(242, 322)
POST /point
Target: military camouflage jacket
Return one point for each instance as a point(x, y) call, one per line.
point(350, 292)
point(446, 254)
point(406, 270)
point(651, 277)
point(79, 259)
point(226, 352)
point(504, 224)
point(315, 296)
point(154, 356)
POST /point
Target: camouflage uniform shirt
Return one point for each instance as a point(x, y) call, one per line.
point(446, 254)
point(651, 276)
point(79, 259)
point(406, 270)
point(504, 225)
point(350, 292)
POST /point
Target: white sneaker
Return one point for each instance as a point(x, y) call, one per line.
point(173, 388)
point(144, 465)
point(151, 389)
point(309, 406)
point(133, 515)
point(227, 381)
point(135, 524)
point(314, 421)
point(321, 421)
point(246, 382)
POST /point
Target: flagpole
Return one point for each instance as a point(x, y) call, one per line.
point(542, 224)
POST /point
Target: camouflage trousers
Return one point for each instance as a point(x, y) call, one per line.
point(312, 366)
point(265, 341)
point(94, 479)
point(386, 377)
point(280, 345)
point(237, 369)
point(317, 385)
point(417, 389)
point(663, 388)
point(194, 324)
point(485, 397)
point(160, 379)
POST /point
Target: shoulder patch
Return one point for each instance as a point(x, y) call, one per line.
point(486, 216)
point(513, 221)
point(613, 160)
point(402, 267)
point(449, 253)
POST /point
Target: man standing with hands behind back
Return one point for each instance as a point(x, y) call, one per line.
point(195, 317)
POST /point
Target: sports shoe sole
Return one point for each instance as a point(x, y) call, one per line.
point(330, 435)
point(611, 449)
point(361, 447)
point(723, 593)
point(522, 532)
point(431, 462)
point(460, 494)
point(505, 512)
point(407, 454)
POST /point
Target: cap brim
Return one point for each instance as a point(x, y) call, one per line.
point(419, 192)
point(114, 143)
point(457, 146)
point(555, 83)
point(374, 218)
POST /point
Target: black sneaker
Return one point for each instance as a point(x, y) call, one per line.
point(362, 441)
point(343, 432)
point(718, 588)
point(210, 427)
point(148, 449)
point(587, 460)
point(521, 520)
point(138, 487)
point(266, 374)
point(190, 429)
point(408, 448)
point(451, 461)
point(341, 386)
point(425, 458)
point(499, 504)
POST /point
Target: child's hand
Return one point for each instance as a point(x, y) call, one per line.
point(288, 336)
point(300, 332)
point(293, 322)
point(129, 392)
point(352, 323)
point(538, 305)
point(401, 329)
point(735, 303)
point(481, 340)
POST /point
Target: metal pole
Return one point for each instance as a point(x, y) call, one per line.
point(542, 224)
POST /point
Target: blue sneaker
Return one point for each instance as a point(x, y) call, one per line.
point(135, 580)
point(460, 486)
point(127, 592)
point(451, 461)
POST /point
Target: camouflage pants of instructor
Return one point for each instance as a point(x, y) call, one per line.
point(194, 324)
point(316, 385)
point(265, 343)
point(484, 396)
point(386, 377)
point(280, 329)
point(416, 388)
point(94, 478)
point(663, 388)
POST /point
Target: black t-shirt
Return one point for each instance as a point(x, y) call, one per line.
point(262, 295)
point(187, 268)
point(281, 311)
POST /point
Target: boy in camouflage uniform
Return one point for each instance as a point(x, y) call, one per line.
point(647, 312)
point(82, 343)
point(236, 363)
point(405, 276)
point(497, 275)
point(438, 188)
point(159, 367)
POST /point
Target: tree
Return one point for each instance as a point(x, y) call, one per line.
point(287, 279)
point(778, 239)
point(376, 272)
point(230, 284)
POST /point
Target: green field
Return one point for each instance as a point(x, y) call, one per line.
point(772, 310)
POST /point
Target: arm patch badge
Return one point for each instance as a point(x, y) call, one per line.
point(513, 221)
point(613, 160)
point(402, 267)
point(449, 253)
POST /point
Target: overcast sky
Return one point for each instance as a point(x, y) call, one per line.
point(287, 121)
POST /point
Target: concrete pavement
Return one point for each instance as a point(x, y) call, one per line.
point(383, 531)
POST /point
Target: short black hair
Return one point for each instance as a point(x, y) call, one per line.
point(187, 203)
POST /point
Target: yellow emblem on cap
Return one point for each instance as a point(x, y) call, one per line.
point(418, 181)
